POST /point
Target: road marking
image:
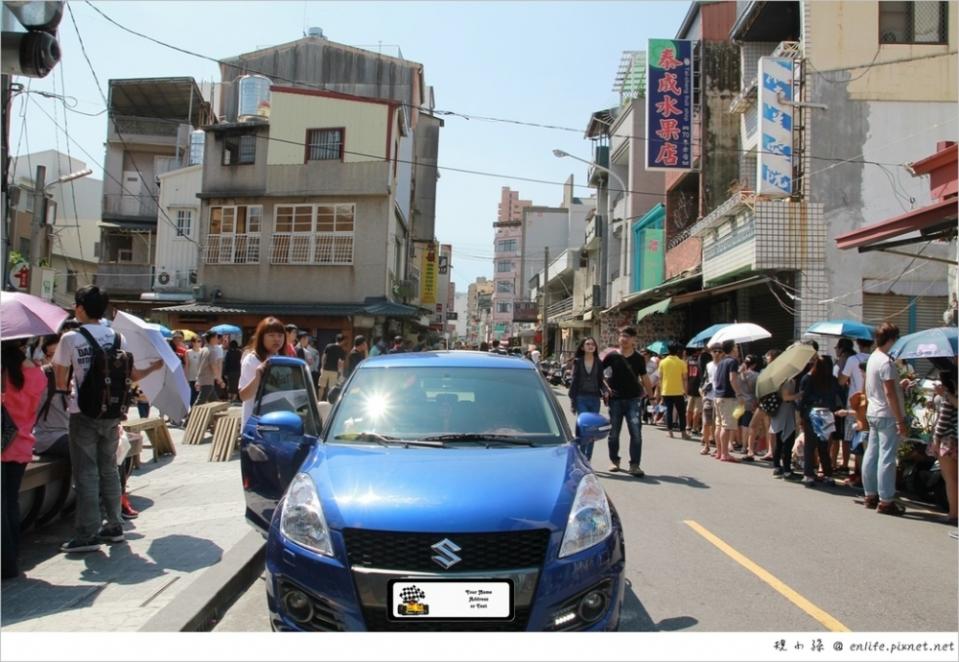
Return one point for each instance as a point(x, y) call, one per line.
point(831, 623)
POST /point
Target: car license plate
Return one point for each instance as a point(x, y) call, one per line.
point(451, 599)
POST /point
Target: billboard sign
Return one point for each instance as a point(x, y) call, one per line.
point(428, 272)
point(525, 311)
point(774, 175)
point(669, 105)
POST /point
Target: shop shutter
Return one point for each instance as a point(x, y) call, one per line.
point(878, 308)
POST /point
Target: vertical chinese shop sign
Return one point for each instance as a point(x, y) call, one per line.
point(428, 276)
point(669, 105)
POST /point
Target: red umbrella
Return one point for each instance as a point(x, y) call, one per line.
point(24, 315)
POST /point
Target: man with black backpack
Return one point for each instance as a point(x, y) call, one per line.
point(92, 367)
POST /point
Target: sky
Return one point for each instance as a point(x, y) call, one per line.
point(551, 63)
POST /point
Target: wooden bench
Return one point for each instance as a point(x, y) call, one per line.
point(226, 434)
point(201, 417)
point(157, 432)
point(45, 491)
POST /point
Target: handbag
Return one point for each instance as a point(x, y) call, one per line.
point(10, 428)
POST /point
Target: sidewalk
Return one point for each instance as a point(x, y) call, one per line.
point(191, 515)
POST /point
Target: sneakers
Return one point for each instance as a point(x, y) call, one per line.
point(777, 473)
point(126, 510)
point(111, 534)
point(80, 545)
point(634, 470)
point(615, 467)
point(808, 481)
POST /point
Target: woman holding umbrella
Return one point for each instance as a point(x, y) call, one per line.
point(821, 398)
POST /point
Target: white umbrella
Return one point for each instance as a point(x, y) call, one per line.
point(166, 389)
point(742, 332)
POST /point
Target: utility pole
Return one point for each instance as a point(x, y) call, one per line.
point(37, 245)
point(545, 302)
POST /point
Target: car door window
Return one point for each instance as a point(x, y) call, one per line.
point(288, 388)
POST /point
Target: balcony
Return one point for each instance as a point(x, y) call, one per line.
point(560, 308)
point(141, 207)
point(124, 277)
point(142, 130)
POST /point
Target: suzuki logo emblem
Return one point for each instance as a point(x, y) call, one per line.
point(446, 553)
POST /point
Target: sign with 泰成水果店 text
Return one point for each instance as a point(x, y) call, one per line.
point(669, 105)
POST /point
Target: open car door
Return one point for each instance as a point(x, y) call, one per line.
point(278, 436)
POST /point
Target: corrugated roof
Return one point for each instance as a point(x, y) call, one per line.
point(377, 308)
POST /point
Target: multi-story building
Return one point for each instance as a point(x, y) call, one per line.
point(149, 123)
point(318, 192)
point(507, 261)
point(70, 238)
point(479, 298)
point(177, 242)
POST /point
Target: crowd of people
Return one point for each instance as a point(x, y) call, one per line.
point(841, 419)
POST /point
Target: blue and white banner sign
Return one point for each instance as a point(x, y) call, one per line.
point(669, 105)
point(774, 175)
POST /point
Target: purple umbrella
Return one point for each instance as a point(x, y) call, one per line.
point(24, 315)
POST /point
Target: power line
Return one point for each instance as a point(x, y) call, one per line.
point(73, 188)
point(467, 116)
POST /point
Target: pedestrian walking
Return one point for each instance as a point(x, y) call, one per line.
point(231, 370)
point(23, 385)
point(886, 414)
point(331, 366)
point(626, 379)
point(206, 370)
point(193, 366)
point(95, 354)
point(268, 340)
point(586, 384)
point(673, 375)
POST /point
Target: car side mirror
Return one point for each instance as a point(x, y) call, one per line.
point(280, 424)
point(592, 427)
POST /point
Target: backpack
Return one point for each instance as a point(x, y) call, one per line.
point(105, 391)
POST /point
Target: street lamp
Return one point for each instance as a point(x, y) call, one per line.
point(601, 226)
point(69, 178)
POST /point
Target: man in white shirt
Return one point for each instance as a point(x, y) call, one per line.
point(886, 413)
point(93, 441)
point(852, 377)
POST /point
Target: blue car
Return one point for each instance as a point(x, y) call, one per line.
point(444, 491)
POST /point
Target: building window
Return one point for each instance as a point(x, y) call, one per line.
point(239, 150)
point(506, 246)
point(504, 307)
point(307, 234)
point(504, 286)
point(71, 280)
point(913, 22)
point(504, 266)
point(234, 236)
point(324, 144)
point(184, 222)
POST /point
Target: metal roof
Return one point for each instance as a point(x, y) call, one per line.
point(376, 308)
point(166, 98)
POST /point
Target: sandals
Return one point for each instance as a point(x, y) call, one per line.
point(890, 508)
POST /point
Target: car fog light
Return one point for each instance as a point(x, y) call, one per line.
point(298, 605)
point(592, 606)
point(564, 619)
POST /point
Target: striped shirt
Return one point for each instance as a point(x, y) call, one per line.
point(947, 420)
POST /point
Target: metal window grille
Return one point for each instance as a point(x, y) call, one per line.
point(184, 219)
point(227, 242)
point(324, 144)
point(913, 22)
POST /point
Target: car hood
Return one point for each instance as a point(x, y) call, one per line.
point(445, 489)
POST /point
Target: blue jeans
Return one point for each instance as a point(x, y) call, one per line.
point(630, 410)
point(879, 462)
point(587, 404)
point(93, 460)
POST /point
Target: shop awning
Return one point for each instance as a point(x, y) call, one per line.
point(378, 308)
point(935, 221)
point(682, 299)
point(671, 286)
point(660, 307)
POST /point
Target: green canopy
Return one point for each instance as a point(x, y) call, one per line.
point(660, 307)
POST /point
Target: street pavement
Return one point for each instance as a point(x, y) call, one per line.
point(191, 514)
point(835, 563)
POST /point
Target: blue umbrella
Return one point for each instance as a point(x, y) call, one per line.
point(701, 338)
point(843, 328)
point(163, 330)
point(227, 330)
point(659, 347)
point(928, 344)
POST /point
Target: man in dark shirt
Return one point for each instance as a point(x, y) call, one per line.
point(331, 365)
point(357, 355)
point(623, 371)
point(727, 388)
point(694, 379)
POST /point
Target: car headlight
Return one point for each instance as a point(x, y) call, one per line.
point(590, 521)
point(302, 520)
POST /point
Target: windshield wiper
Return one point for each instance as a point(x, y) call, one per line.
point(385, 440)
point(481, 436)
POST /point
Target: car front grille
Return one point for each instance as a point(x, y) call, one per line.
point(377, 621)
point(390, 550)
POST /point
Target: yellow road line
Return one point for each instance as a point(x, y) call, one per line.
point(831, 623)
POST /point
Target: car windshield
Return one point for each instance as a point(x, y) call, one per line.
point(458, 406)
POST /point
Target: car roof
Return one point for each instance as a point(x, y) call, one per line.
point(445, 359)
